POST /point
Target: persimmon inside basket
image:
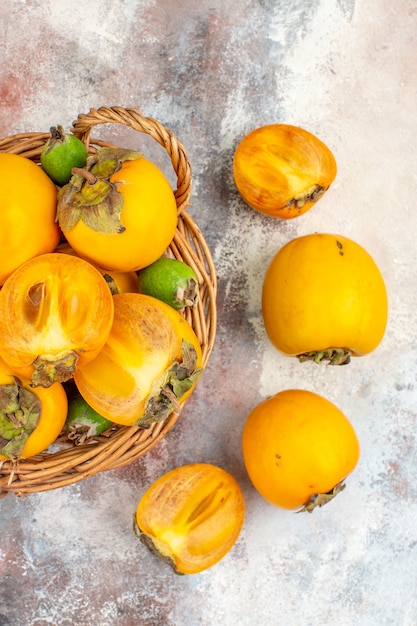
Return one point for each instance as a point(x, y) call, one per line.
point(65, 463)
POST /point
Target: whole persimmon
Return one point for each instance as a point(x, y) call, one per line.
point(119, 212)
point(27, 212)
point(324, 299)
point(298, 449)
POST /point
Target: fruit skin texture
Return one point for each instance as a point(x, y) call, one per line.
point(56, 312)
point(191, 516)
point(61, 153)
point(297, 445)
point(27, 212)
point(127, 381)
point(149, 218)
point(321, 293)
point(171, 281)
point(118, 282)
point(282, 170)
point(53, 402)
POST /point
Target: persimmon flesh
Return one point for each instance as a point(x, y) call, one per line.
point(282, 170)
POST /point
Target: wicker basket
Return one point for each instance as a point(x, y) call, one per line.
point(121, 444)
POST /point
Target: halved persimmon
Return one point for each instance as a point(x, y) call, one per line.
point(191, 516)
point(56, 312)
point(282, 170)
point(149, 364)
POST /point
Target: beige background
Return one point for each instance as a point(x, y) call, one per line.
point(212, 71)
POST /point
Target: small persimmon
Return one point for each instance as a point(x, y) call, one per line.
point(282, 170)
point(30, 418)
point(191, 516)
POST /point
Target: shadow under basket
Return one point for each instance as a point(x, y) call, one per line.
point(65, 463)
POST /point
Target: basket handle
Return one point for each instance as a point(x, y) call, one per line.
point(82, 126)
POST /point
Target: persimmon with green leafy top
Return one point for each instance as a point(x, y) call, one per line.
point(119, 212)
point(30, 418)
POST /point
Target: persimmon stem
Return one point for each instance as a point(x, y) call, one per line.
point(319, 499)
point(89, 177)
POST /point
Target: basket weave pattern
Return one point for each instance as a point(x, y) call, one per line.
point(121, 445)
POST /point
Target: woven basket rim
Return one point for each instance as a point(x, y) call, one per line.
point(121, 445)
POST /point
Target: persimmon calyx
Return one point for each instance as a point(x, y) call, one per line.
point(188, 295)
point(334, 356)
point(91, 197)
point(150, 543)
point(310, 195)
point(53, 368)
point(320, 499)
point(57, 136)
point(170, 388)
point(20, 411)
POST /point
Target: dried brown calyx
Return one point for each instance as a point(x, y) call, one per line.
point(175, 382)
point(334, 356)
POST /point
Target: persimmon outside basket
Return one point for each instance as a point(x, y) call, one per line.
point(65, 463)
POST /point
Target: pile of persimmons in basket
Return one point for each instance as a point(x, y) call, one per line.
point(90, 303)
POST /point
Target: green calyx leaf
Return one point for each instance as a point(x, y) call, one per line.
point(175, 382)
point(20, 411)
point(107, 161)
point(91, 197)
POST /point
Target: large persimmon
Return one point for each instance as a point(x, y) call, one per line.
point(119, 212)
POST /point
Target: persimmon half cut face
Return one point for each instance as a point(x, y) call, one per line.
point(282, 170)
point(149, 364)
point(191, 516)
point(56, 312)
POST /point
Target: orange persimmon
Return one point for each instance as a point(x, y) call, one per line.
point(27, 217)
point(298, 448)
point(149, 364)
point(282, 170)
point(191, 516)
point(56, 312)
